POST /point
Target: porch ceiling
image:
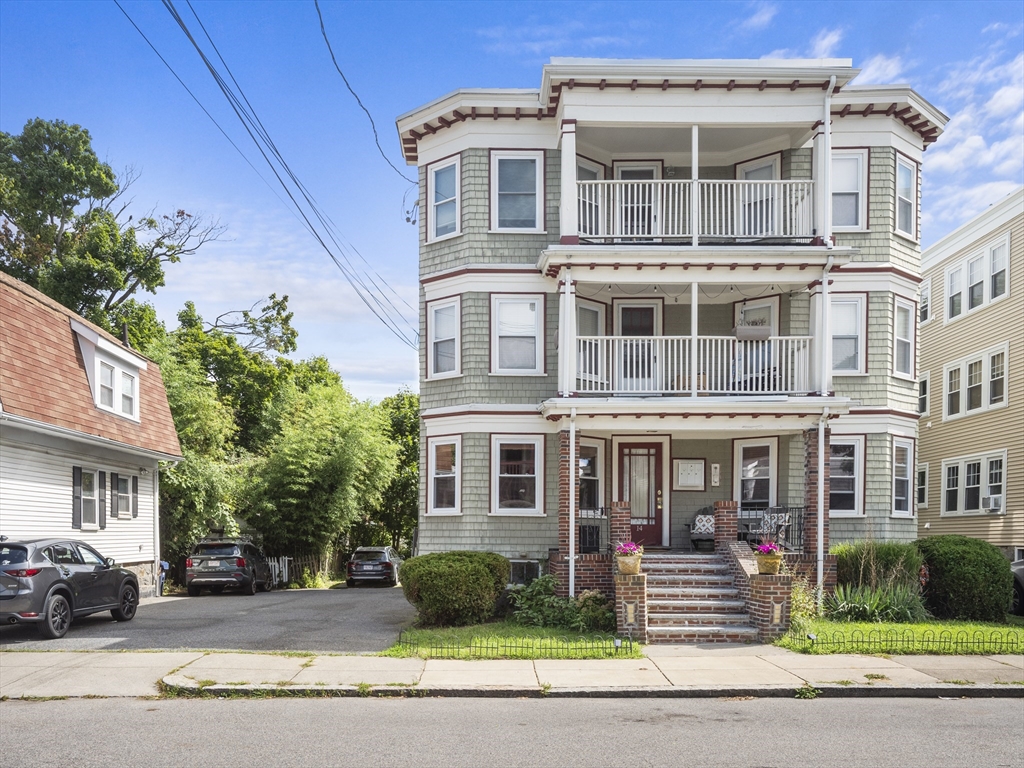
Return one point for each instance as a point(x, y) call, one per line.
point(716, 142)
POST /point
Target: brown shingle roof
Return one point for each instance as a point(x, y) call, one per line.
point(43, 376)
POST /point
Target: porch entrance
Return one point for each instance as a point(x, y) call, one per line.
point(641, 485)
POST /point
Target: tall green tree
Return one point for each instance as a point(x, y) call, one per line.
point(398, 509)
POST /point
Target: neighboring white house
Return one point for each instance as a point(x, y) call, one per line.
point(84, 425)
point(705, 271)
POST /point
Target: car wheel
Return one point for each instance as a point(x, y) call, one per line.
point(194, 591)
point(250, 588)
point(127, 605)
point(393, 582)
point(216, 590)
point(1017, 607)
point(56, 617)
point(350, 583)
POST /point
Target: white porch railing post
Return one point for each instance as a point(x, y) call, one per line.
point(694, 190)
point(568, 208)
point(693, 339)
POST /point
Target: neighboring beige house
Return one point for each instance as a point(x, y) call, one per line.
point(970, 471)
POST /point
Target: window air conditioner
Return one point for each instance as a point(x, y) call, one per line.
point(993, 503)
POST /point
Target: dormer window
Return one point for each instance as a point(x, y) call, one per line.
point(118, 390)
point(112, 370)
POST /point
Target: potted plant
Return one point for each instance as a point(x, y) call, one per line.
point(769, 557)
point(627, 557)
point(757, 328)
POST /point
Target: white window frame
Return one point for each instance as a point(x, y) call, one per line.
point(432, 237)
point(772, 303)
point(985, 357)
point(94, 524)
point(862, 351)
point(432, 443)
point(901, 303)
point(774, 161)
point(538, 473)
point(497, 299)
point(961, 463)
point(432, 307)
point(599, 445)
point(912, 167)
point(901, 442)
point(925, 302)
point(861, 155)
point(535, 154)
point(926, 379)
point(120, 371)
point(117, 495)
point(921, 467)
point(962, 266)
point(859, 470)
point(773, 467)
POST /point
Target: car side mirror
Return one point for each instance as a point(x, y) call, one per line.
point(110, 562)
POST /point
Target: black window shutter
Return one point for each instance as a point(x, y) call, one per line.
point(76, 497)
point(135, 496)
point(113, 494)
point(102, 501)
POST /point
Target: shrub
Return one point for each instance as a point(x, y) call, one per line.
point(803, 606)
point(454, 588)
point(877, 563)
point(310, 580)
point(898, 603)
point(537, 605)
point(968, 579)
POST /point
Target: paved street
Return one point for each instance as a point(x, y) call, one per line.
point(472, 732)
point(341, 620)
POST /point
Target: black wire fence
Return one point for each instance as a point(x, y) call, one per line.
point(994, 641)
point(604, 647)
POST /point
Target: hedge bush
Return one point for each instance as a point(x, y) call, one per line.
point(968, 579)
point(877, 564)
point(537, 605)
point(454, 588)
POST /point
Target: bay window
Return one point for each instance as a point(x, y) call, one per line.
point(903, 353)
point(517, 464)
point(517, 191)
point(444, 324)
point(847, 335)
point(846, 475)
point(517, 340)
point(902, 461)
point(906, 198)
point(443, 214)
point(444, 457)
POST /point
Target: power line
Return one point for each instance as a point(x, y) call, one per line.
point(376, 138)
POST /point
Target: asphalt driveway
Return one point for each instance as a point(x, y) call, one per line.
point(325, 620)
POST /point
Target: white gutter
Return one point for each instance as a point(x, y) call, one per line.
point(819, 591)
point(573, 474)
point(31, 425)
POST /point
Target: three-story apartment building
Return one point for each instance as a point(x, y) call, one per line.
point(666, 284)
point(970, 472)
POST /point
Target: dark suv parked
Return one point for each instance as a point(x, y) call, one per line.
point(219, 562)
point(373, 564)
point(49, 582)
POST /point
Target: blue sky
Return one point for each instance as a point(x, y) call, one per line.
point(82, 62)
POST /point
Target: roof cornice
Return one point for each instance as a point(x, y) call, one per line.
point(980, 226)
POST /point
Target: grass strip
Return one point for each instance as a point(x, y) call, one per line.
point(930, 638)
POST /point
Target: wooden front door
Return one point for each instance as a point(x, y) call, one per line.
point(640, 483)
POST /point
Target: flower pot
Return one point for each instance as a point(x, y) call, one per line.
point(628, 564)
point(760, 332)
point(768, 563)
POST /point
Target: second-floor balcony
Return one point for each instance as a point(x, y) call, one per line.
point(695, 211)
point(672, 365)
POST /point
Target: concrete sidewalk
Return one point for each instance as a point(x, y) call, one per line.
point(666, 671)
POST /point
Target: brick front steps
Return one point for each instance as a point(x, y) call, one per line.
point(691, 598)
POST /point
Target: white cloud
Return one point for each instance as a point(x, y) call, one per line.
point(881, 69)
point(553, 39)
point(825, 42)
point(761, 18)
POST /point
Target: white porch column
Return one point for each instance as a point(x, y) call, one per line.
point(563, 336)
point(570, 334)
point(693, 338)
point(568, 208)
point(826, 166)
point(694, 191)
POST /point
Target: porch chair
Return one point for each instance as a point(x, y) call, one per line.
point(702, 528)
point(771, 525)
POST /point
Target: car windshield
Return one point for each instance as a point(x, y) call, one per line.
point(10, 555)
point(220, 550)
point(374, 554)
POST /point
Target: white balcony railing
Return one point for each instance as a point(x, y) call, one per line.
point(664, 209)
point(661, 365)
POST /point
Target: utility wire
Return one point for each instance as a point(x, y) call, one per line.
point(376, 138)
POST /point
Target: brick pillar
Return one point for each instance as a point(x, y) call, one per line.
point(811, 491)
point(726, 523)
point(631, 596)
point(769, 604)
point(566, 475)
point(618, 526)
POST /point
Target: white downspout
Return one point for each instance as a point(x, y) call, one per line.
point(819, 591)
point(826, 169)
point(825, 334)
point(573, 474)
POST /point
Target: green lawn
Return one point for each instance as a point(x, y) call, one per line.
point(934, 637)
point(508, 640)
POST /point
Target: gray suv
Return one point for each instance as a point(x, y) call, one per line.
point(49, 582)
point(218, 562)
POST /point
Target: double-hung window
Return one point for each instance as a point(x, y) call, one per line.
point(517, 471)
point(118, 389)
point(923, 384)
point(444, 457)
point(517, 338)
point(924, 306)
point(444, 323)
point(973, 484)
point(848, 335)
point(90, 498)
point(977, 383)
point(954, 293)
point(443, 186)
point(849, 202)
point(978, 280)
point(922, 485)
point(903, 350)
point(975, 283)
point(517, 191)
point(906, 198)
point(846, 476)
point(902, 464)
point(997, 269)
point(123, 495)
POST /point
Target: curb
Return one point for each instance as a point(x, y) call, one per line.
point(187, 687)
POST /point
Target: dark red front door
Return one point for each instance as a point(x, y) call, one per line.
point(640, 484)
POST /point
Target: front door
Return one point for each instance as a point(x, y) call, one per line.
point(636, 353)
point(640, 484)
point(636, 204)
